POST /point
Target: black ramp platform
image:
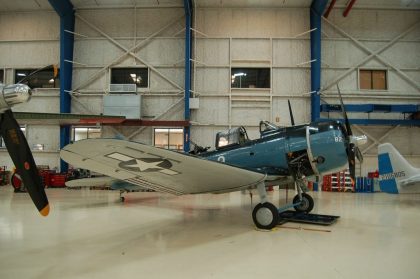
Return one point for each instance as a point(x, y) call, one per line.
point(301, 217)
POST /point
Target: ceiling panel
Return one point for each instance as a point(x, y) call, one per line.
point(253, 3)
point(24, 5)
point(92, 4)
point(36, 5)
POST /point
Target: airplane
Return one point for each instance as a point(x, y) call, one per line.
point(281, 156)
point(396, 175)
point(16, 143)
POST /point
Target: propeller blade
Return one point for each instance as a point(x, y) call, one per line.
point(359, 155)
point(343, 109)
point(292, 120)
point(24, 162)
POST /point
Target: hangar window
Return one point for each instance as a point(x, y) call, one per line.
point(250, 77)
point(1, 76)
point(172, 138)
point(137, 76)
point(42, 79)
point(373, 79)
point(80, 133)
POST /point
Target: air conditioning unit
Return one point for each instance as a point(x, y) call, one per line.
point(122, 88)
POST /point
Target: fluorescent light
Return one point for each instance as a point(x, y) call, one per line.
point(21, 75)
point(240, 75)
point(133, 75)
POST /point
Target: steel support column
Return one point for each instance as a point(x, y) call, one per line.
point(316, 11)
point(64, 9)
point(188, 46)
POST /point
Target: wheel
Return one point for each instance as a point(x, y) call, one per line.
point(265, 216)
point(122, 199)
point(16, 182)
point(306, 205)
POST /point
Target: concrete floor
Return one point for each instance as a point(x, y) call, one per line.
point(90, 234)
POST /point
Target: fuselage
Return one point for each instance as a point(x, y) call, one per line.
point(321, 143)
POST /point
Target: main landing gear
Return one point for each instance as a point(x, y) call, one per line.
point(266, 214)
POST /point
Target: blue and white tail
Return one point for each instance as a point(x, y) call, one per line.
point(394, 170)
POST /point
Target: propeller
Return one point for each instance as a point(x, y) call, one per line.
point(16, 143)
point(352, 149)
point(292, 120)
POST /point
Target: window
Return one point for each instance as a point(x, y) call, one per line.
point(1, 76)
point(373, 79)
point(79, 133)
point(250, 77)
point(3, 145)
point(42, 79)
point(138, 76)
point(169, 138)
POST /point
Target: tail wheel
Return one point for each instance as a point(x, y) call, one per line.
point(265, 216)
point(16, 182)
point(306, 204)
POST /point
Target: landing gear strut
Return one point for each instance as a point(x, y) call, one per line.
point(302, 201)
point(122, 198)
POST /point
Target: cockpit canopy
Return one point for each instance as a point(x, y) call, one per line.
point(231, 137)
point(268, 128)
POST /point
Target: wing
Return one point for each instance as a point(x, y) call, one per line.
point(91, 182)
point(157, 169)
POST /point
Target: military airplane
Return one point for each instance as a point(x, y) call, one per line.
point(280, 156)
point(15, 141)
point(396, 175)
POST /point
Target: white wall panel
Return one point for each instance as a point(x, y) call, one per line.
point(29, 54)
point(212, 80)
point(41, 104)
point(291, 82)
point(212, 111)
point(249, 116)
point(251, 49)
point(212, 51)
point(253, 23)
point(29, 26)
point(163, 51)
point(289, 53)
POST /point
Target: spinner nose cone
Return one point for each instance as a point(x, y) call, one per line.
point(16, 94)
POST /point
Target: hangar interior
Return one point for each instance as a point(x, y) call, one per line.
point(240, 63)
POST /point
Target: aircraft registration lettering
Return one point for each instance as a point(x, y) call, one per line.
point(338, 139)
point(393, 175)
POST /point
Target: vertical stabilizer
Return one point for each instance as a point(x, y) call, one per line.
point(393, 168)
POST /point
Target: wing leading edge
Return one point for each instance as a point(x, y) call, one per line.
point(157, 169)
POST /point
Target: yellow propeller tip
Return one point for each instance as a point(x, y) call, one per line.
point(45, 211)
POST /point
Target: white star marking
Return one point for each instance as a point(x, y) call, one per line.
point(145, 166)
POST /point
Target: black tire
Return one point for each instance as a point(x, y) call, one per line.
point(122, 199)
point(265, 216)
point(306, 205)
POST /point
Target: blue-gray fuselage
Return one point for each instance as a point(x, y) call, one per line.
point(323, 142)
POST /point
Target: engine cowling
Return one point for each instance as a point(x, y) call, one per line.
point(11, 95)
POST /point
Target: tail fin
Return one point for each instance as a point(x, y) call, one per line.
point(392, 168)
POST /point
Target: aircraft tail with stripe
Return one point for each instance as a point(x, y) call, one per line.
point(396, 175)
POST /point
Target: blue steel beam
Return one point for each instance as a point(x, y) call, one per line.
point(391, 122)
point(64, 9)
point(188, 46)
point(371, 108)
point(316, 11)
